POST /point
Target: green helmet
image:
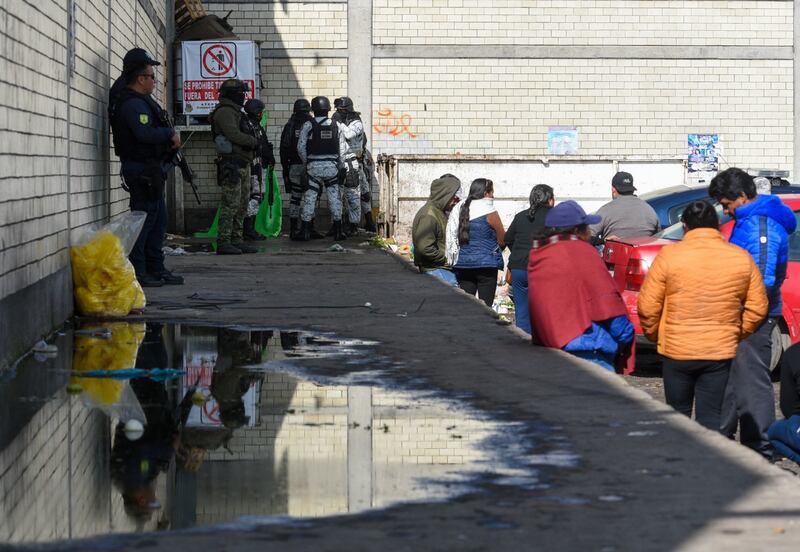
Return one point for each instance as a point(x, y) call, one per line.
point(232, 86)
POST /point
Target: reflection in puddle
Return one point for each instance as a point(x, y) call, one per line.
point(224, 434)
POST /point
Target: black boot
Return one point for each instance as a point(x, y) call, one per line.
point(369, 223)
point(305, 231)
point(250, 233)
point(246, 249)
point(338, 231)
point(294, 229)
point(228, 249)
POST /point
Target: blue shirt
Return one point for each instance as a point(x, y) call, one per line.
point(603, 337)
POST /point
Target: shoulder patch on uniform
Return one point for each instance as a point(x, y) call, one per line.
point(144, 118)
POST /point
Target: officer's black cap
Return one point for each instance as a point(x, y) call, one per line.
point(138, 57)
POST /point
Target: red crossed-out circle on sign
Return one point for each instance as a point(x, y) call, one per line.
point(218, 60)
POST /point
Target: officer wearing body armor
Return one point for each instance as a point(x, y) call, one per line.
point(293, 167)
point(263, 162)
point(322, 148)
point(352, 127)
point(236, 144)
point(145, 142)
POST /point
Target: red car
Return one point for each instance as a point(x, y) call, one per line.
point(629, 259)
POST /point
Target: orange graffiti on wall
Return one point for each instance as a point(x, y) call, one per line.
point(395, 125)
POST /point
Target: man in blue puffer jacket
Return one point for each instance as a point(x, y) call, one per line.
point(763, 224)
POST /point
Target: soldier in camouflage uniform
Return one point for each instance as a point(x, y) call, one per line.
point(236, 143)
point(321, 147)
point(367, 180)
point(353, 129)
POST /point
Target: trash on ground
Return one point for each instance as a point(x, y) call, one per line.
point(174, 251)
point(337, 248)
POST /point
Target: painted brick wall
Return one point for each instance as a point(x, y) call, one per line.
point(288, 24)
point(621, 107)
point(54, 142)
point(582, 22)
point(33, 187)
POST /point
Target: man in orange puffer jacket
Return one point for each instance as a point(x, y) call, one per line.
point(700, 298)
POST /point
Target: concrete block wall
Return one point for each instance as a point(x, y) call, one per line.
point(582, 22)
point(488, 77)
point(58, 173)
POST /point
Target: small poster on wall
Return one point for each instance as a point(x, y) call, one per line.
point(562, 140)
point(703, 156)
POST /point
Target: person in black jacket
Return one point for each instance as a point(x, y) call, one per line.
point(525, 226)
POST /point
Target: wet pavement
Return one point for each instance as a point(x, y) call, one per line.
point(587, 461)
point(225, 425)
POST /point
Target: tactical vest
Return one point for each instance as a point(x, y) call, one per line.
point(126, 146)
point(323, 144)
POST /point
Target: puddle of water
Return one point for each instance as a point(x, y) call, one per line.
point(243, 435)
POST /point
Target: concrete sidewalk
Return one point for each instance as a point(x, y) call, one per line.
point(648, 478)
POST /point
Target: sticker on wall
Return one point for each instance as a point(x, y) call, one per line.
point(702, 152)
point(562, 140)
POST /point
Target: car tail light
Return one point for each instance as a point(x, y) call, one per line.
point(635, 273)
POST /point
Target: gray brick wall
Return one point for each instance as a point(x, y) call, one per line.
point(56, 166)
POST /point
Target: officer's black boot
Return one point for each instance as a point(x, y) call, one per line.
point(250, 233)
point(305, 231)
point(369, 223)
point(338, 231)
point(294, 229)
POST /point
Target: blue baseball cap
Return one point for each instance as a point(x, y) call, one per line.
point(569, 213)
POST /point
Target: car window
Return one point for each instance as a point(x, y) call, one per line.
point(674, 213)
point(675, 232)
point(794, 241)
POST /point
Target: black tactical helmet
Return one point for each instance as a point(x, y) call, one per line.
point(254, 107)
point(321, 104)
point(302, 106)
point(232, 86)
point(337, 103)
point(345, 104)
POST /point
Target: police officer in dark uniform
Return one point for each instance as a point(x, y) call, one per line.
point(293, 167)
point(145, 142)
point(263, 162)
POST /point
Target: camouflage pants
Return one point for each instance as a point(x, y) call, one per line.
point(309, 203)
point(296, 173)
point(352, 192)
point(364, 190)
point(233, 205)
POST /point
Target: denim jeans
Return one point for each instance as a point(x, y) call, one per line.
point(444, 275)
point(519, 286)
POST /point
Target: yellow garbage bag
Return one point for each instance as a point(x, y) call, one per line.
point(115, 353)
point(104, 279)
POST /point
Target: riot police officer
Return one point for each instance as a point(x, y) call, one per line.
point(145, 143)
point(321, 147)
point(236, 143)
point(263, 162)
point(293, 166)
point(351, 126)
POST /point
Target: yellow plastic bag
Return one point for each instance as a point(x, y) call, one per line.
point(115, 353)
point(104, 279)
